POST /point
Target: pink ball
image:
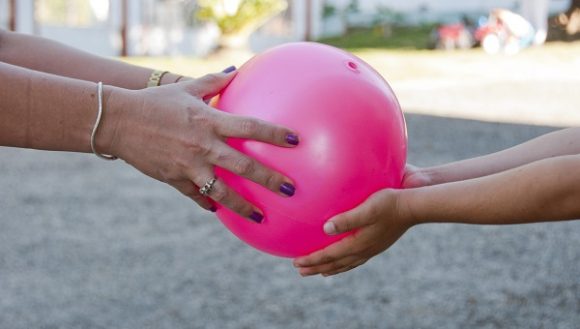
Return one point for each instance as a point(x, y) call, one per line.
point(353, 142)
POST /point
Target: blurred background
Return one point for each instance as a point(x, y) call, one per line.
point(197, 28)
point(87, 244)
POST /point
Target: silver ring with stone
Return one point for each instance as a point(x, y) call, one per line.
point(205, 190)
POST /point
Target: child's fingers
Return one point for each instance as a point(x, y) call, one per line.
point(329, 267)
point(346, 268)
point(347, 221)
point(330, 254)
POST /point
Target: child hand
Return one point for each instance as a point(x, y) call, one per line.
point(379, 222)
point(416, 177)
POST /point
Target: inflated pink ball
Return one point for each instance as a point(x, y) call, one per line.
point(353, 142)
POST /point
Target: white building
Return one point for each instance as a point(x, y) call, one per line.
point(155, 27)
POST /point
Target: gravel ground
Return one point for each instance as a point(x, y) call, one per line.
point(90, 244)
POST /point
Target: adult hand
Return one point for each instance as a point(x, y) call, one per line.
point(170, 134)
point(378, 223)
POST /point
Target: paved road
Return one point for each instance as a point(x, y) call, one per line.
point(90, 244)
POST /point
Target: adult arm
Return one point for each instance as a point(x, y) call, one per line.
point(167, 132)
point(50, 56)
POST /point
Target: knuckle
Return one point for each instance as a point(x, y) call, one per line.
point(344, 224)
point(195, 89)
point(326, 259)
point(222, 157)
point(272, 181)
point(197, 117)
point(164, 176)
point(195, 148)
point(211, 79)
point(249, 127)
point(169, 175)
point(201, 150)
point(244, 166)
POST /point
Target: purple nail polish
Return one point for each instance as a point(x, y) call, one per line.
point(229, 69)
point(292, 139)
point(256, 217)
point(287, 189)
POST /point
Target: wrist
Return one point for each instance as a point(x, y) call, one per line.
point(406, 204)
point(107, 137)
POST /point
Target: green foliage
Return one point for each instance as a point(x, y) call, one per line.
point(353, 7)
point(328, 10)
point(246, 15)
point(403, 37)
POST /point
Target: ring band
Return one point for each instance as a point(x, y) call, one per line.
point(206, 189)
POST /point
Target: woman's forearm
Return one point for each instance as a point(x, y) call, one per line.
point(546, 190)
point(558, 143)
point(49, 112)
point(53, 57)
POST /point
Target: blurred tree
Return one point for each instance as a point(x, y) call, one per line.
point(385, 19)
point(237, 19)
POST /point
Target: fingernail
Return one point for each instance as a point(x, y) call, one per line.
point(287, 189)
point(213, 209)
point(256, 217)
point(292, 139)
point(329, 228)
point(229, 69)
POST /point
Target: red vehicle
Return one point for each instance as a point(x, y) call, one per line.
point(457, 35)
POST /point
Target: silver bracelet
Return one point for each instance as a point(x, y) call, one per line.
point(99, 115)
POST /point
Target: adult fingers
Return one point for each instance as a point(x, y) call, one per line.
point(250, 128)
point(190, 190)
point(221, 193)
point(242, 165)
point(210, 84)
